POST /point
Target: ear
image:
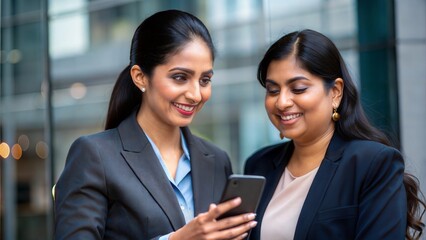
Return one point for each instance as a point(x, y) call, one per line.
point(337, 92)
point(138, 76)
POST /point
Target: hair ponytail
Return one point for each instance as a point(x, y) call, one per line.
point(125, 97)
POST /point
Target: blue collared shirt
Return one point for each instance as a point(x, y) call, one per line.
point(182, 184)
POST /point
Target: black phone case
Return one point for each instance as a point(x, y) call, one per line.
point(249, 188)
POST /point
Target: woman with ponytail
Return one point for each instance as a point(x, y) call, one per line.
point(146, 176)
point(337, 177)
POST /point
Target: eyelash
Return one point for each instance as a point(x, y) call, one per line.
point(295, 91)
point(205, 81)
point(179, 77)
point(271, 91)
point(182, 78)
point(299, 90)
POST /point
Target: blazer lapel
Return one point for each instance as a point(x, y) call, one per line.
point(273, 176)
point(319, 186)
point(202, 171)
point(140, 156)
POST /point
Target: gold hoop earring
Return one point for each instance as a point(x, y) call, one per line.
point(335, 116)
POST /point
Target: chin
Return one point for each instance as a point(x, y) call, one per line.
point(287, 134)
point(184, 123)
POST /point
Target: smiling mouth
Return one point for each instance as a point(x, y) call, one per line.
point(185, 108)
point(290, 117)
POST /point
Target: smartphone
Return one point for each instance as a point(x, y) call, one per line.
point(248, 187)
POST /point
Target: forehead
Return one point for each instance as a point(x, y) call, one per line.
point(194, 49)
point(288, 71)
point(285, 68)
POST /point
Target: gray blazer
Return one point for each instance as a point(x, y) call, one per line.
point(113, 186)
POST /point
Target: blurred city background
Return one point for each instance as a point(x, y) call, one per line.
point(60, 59)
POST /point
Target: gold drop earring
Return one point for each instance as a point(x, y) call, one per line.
point(335, 116)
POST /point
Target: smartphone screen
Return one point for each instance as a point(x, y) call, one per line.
point(248, 187)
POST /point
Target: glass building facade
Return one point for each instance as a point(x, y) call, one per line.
point(60, 58)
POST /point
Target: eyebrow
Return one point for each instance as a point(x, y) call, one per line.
point(288, 81)
point(189, 71)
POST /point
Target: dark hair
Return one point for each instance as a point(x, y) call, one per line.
point(157, 37)
point(318, 55)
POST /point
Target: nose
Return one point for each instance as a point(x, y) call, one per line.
point(284, 101)
point(193, 93)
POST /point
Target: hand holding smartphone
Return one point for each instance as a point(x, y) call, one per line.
point(248, 187)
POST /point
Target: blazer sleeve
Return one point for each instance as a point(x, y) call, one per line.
point(81, 204)
point(383, 207)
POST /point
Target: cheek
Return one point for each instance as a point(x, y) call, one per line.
point(206, 94)
point(269, 104)
point(164, 90)
point(319, 109)
point(171, 93)
point(313, 101)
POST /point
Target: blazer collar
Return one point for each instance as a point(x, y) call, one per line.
point(202, 171)
point(141, 158)
point(319, 186)
point(139, 154)
point(273, 175)
point(334, 151)
point(335, 148)
point(283, 158)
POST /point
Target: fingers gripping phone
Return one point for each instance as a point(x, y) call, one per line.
point(248, 187)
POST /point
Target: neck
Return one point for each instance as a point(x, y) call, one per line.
point(164, 136)
point(308, 156)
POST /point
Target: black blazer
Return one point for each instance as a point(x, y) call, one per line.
point(357, 193)
point(113, 186)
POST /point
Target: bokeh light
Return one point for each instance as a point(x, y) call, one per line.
point(4, 150)
point(78, 90)
point(14, 56)
point(42, 150)
point(16, 151)
point(24, 141)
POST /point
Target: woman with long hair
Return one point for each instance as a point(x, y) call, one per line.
point(146, 176)
point(337, 177)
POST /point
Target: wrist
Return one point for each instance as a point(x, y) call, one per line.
point(171, 236)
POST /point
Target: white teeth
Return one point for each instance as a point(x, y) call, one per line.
point(290, 117)
point(183, 107)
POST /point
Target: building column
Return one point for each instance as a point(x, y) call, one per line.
point(377, 57)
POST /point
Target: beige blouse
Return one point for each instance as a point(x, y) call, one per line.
point(282, 213)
